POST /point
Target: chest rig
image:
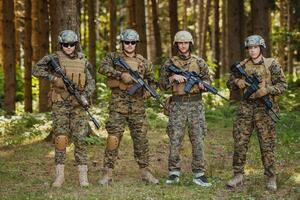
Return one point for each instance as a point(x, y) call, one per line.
point(75, 71)
point(190, 64)
point(261, 69)
point(136, 63)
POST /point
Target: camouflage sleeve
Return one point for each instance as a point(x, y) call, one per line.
point(164, 82)
point(90, 82)
point(42, 69)
point(230, 83)
point(204, 71)
point(107, 67)
point(149, 74)
point(279, 84)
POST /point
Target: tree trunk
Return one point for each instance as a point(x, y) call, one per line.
point(92, 42)
point(235, 14)
point(261, 10)
point(215, 38)
point(224, 50)
point(156, 29)
point(141, 27)
point(132, 14)
point(28, 58)
point(185, 18)
point(203, 27)
point(18, 10)
point(173, 22)
point(112, 25)
point(9, 61)
point(289, 42)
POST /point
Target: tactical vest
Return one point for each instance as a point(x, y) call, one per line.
point(75, 71)
point(190, 64)
point(136, 63)
point(262, 70)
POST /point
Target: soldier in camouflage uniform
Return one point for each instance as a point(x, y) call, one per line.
point(124, 108)
point(185, 109)
point(69, 118)
point(251, 113)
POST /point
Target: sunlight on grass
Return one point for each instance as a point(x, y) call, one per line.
point(296, 177)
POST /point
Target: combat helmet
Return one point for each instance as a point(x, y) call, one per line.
point(67, 36)
point(129, 35)
point(255, 40)
point(183, 36)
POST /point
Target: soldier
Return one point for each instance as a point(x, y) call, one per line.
point(185, 109)
point(251, 113)
point(124, 108)
point(69, 118)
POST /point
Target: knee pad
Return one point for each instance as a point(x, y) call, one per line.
point(61, 142)
point(112, 142)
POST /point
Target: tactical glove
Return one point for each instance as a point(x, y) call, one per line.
point(241, 83)
point(126, 78)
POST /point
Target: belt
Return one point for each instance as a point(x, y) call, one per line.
point(187, 97)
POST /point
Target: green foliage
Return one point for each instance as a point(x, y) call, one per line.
point(95, 140)
point(17, 129)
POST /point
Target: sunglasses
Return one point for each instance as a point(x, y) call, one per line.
point(66, 45)
point(130, 42)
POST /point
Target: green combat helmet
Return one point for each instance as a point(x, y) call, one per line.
point(129, 35)
point(67, 36)
point(183, 36)
point(255, 40)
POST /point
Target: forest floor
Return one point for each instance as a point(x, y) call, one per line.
point(27, 166)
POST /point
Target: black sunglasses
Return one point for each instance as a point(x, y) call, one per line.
point(130, 42)
point(66, 45)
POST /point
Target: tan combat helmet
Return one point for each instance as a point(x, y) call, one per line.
point(129, 35)
point(67, 36)
point(255, 40)
point(183, 36)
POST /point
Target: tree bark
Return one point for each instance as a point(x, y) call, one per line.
point(173, 22)
point(156, 29)
point(92, 42)
point(9, 61)
point(235, 14)
point(261, 10)
point(224, 50)
point(289, 42)
point(203, 27)
point(215, 38)
point(112, 25)
point(141, 27)
point(28, 59)
point(282, 43)
point(132, 14)
point(1, 34)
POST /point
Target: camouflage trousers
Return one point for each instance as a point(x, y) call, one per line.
point(127, 110)
point(252, 116)
point(190, 114)
point(72, 122)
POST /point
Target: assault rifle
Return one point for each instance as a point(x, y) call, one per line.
point(254, 82)
point(73, 90)
point(193, 78)
point(139, 82)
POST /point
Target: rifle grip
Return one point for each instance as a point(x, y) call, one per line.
point(134, 88)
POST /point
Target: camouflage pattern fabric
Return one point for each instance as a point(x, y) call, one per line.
point(251, 115)
point(126, 110)
point(184, 114)
point(68, 119)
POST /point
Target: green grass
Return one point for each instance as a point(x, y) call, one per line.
point(27, 165)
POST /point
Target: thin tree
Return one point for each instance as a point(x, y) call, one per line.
point(203, 23)
point(112, 25)
point(290, 45)
point(141, 26)
point(173, 22)
point(92, 42)
point(216, 38)
point(9, 61)
point(28, 59)
point(156, 29)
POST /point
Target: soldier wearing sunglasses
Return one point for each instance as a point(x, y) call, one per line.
point(69, 118)
point(126, 109)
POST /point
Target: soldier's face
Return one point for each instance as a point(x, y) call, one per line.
point(254, 51)
point(129, 47)
point(183, 47)
point(69, 49)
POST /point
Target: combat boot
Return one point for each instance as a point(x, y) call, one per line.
point(236, 180)
point(83, 179)
point(147, 176)
point(60, 176)
point(106, 176)
point(271, 183)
